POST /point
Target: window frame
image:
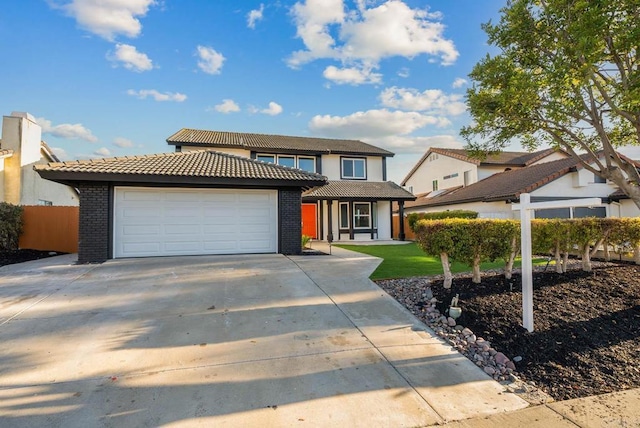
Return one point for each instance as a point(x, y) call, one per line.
point(434, 184)
point(353, 161)
point(292, 157)
point(342, 217)
point(310, 158)
point(264, 155)
point(360, 216)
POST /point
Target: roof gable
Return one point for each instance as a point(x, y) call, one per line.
point(506, 159)
point(503, 186)
point(278, 143)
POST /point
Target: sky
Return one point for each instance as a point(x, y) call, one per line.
point(109, 78)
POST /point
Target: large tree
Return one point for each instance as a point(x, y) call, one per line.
point(566, 73)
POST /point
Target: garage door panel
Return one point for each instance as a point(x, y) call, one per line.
point(160, 221)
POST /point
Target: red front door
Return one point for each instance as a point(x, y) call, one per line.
point(309, 220)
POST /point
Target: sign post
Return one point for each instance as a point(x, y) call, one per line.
point(526, 207)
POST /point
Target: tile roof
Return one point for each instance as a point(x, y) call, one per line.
point(358, 190)
point(201, 164)
point(502, 186)
point(520, 159)
point(258, 142)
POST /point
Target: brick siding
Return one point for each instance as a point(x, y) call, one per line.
point(93, 233)
point(290, 221)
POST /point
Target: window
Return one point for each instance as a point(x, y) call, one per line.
point(454, 175)
point(354, 168)
point(344, 215)
point(266, 158)
point(307, 164)
point(45, 203)
point(361, 216)
point(289, 161)
point(598, 179)
point(435, 185)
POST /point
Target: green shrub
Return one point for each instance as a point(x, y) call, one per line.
point(305, 240)
point(10, 226)
point(439, 215)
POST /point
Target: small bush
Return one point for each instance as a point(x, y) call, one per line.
point(10, 226)
point(305, 240)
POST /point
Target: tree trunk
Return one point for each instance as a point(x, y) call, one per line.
point(565, 261)
point(448, 278)
point(636, 254)
point(586, 259)
point(508, 269)
point(595, 248)
point(558, 259)
point(607, 251)
point(476, 270)
point(625, 183)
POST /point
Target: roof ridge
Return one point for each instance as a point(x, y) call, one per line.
point(267, 135)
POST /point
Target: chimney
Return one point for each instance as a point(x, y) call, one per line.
point(23, 135)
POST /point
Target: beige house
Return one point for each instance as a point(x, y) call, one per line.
point(21, 148)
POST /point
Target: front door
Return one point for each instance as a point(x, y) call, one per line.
point(309, 220)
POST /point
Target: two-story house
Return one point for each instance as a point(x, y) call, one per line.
point(21, 147)
point(355, 203)
point(230, 193)
point(440, 168)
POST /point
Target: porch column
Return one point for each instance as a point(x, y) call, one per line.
point(401, 235)
point(329, 221)
point(351, 218)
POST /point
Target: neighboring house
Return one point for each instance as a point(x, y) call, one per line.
point(188, 203)
point(441, 169)
point(561, 179)
point(21, 148)
point(356, 202)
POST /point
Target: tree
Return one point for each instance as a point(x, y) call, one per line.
point(567, 74)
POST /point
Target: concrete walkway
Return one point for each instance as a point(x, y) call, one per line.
point(225, 341)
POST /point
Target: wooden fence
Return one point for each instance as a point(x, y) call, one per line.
point(50, 228)
point(408, 233)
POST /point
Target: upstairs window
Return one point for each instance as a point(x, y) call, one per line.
point(289, 161)
point(266, 158)
point(598, 179)
point(354, 168)
point(307, 164)
point(435, 185)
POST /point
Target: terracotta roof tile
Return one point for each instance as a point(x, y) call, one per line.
point(363, 190)
point(203, 163)
point(196, 137)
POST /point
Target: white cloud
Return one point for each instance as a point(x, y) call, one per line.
point(412, 144)
point(158, 96)
point(60, 153)
point(373, 124)
point(122, 142)
point(433, 101)
point(255, 16)
point(404, 72)
point(130, 58)
point(365, 36)
point(210, 61)
point(107, 18)
point(351, 75)
point(102, 151)
point(459, 83)
point(227, 106)
point(66, 130)
point(274, 109)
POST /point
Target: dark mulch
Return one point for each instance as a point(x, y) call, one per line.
point(587, 327)
point(19, 256)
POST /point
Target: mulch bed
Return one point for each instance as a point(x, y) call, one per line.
point(19, 256)
point(587, 325)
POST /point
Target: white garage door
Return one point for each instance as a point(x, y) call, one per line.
point(171, 222)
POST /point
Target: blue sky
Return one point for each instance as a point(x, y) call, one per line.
point(117, 77)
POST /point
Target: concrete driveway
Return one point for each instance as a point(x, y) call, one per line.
point(224, 341)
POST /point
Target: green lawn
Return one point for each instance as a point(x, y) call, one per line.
point(402, 261)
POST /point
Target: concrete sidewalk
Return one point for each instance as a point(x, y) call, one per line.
point(619, 409)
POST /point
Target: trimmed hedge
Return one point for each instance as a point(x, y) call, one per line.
point(439, 215)
point(10, 226)
point(476, 241)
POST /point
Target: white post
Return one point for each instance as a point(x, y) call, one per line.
point(527, 263)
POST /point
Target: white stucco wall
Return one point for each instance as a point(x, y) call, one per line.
point(565, 187)
point(485, 171)
point(552, 157)
point(383, 216)
point(484, 209)
point(331, 167)
point(629, 209)
point(421, 181)
point(34, 189)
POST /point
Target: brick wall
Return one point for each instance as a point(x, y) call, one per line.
point(290, 221)
point(93, 233)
